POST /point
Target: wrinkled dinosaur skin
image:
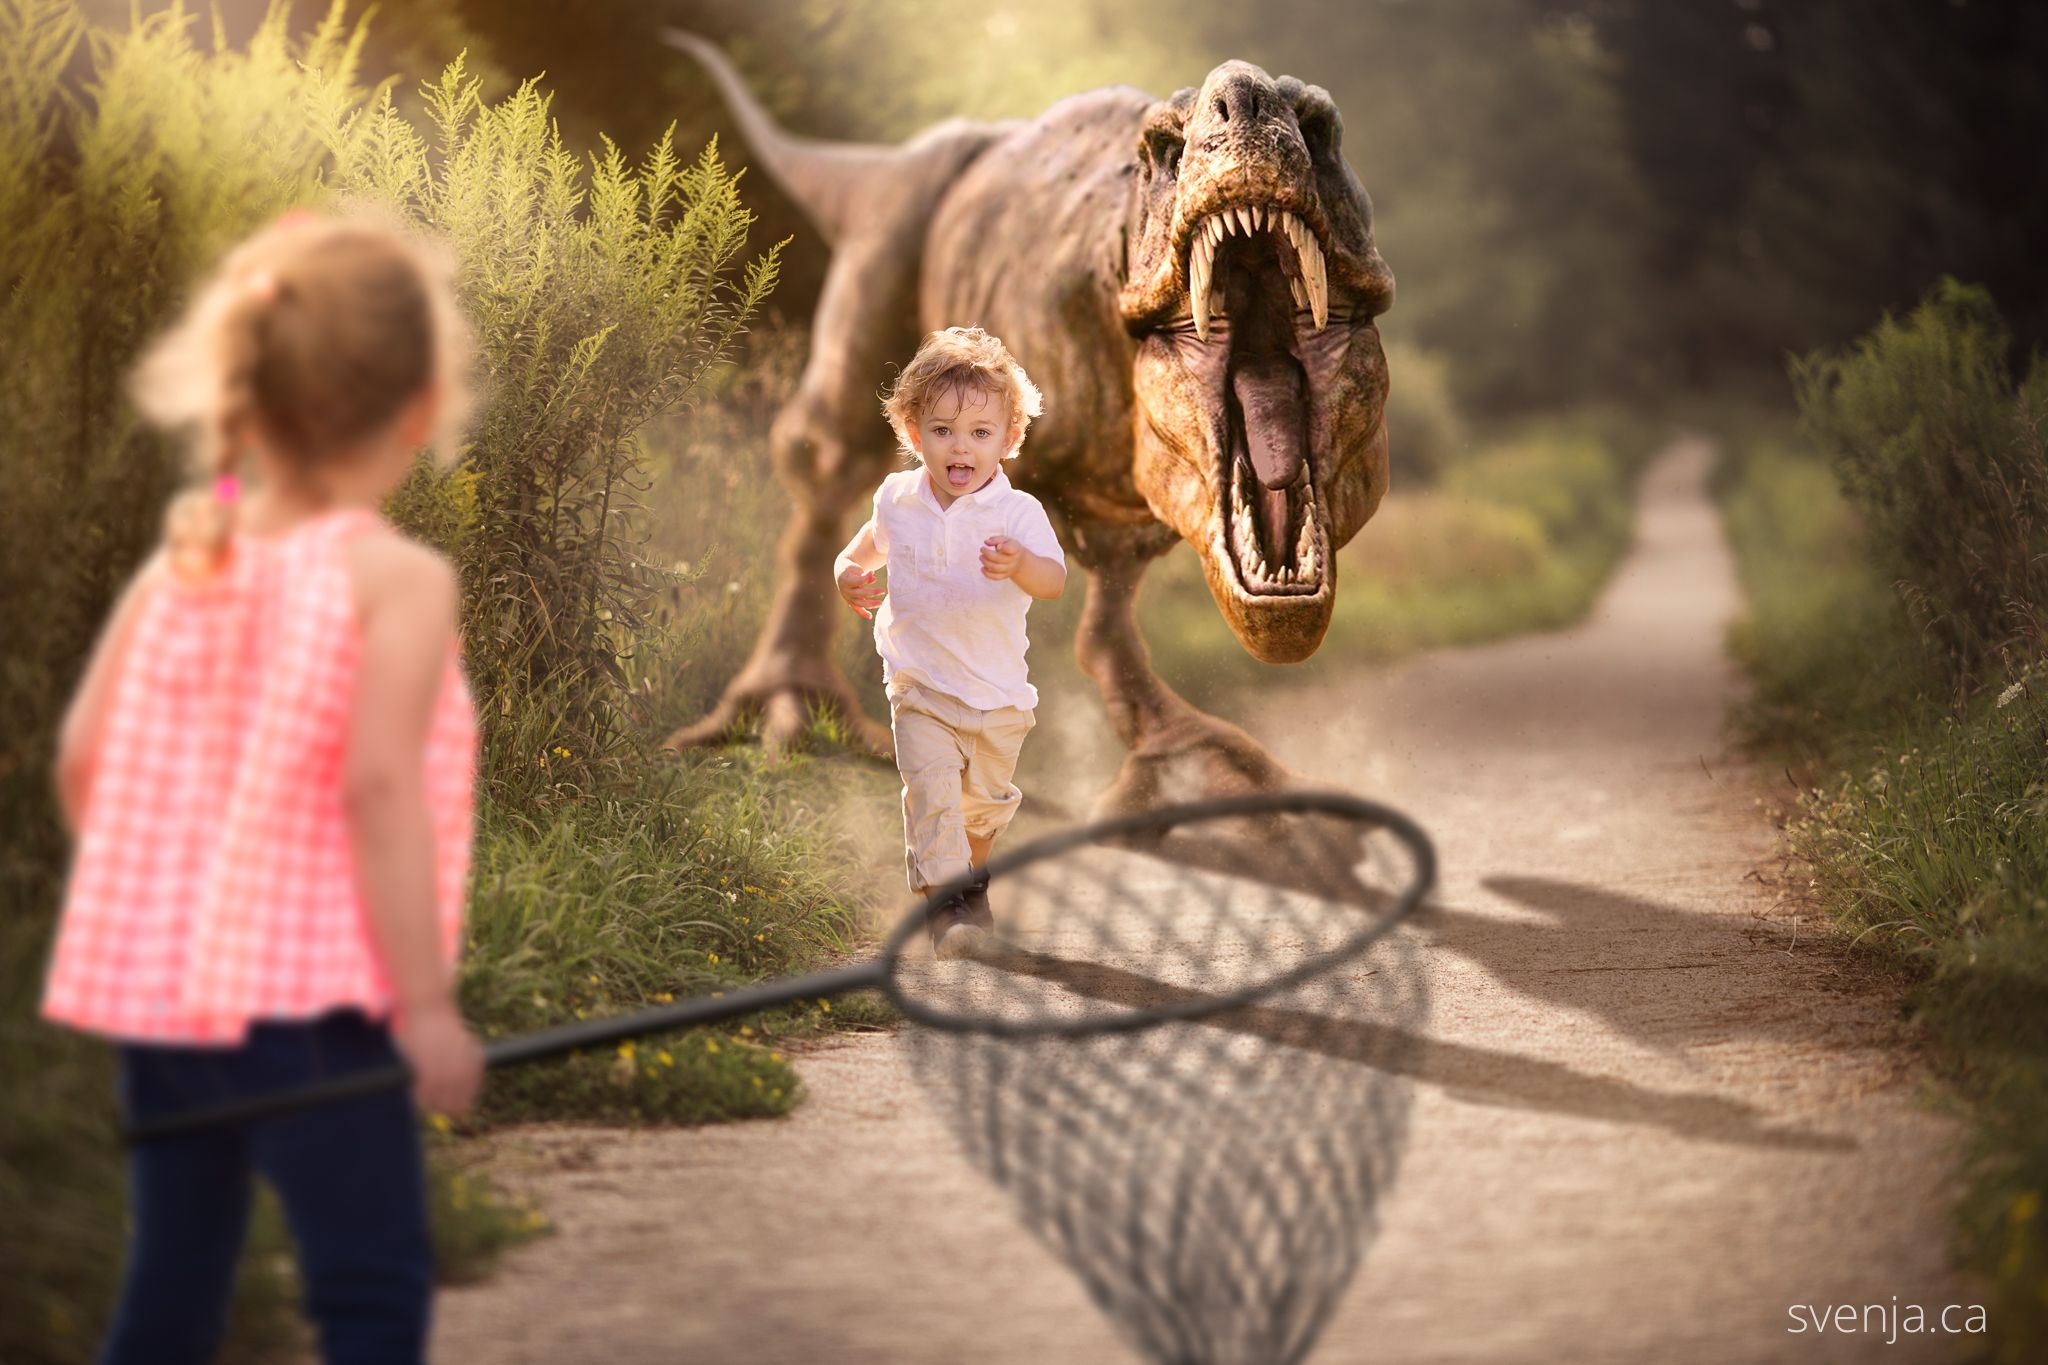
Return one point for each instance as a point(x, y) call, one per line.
point(1089, 239)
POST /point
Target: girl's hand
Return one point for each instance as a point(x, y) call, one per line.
point(1001, 557)
point(447, 1061)
point(861, 591)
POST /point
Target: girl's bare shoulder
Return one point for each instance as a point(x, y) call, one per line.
point(386, 566)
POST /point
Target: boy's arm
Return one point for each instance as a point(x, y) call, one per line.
point(854, 571)
point(1043, 571)
point(862, 552)
point(78, 743)
point(1043, 578)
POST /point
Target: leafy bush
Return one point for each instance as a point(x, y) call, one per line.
point(1825, 640)
point(109, 210)
point(1943, 454)
point(1927, 838)
point(597, 308)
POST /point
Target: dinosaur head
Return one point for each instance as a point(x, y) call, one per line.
point(1252, 284)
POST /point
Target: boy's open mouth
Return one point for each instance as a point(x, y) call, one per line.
point(959, 476)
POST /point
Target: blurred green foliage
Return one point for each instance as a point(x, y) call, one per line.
point(1894, 638)
point(1941, 448)
point(1425, 427)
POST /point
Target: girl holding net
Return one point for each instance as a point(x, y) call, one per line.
point(268, 769)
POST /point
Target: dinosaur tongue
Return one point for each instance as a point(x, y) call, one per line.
point(1269, 394)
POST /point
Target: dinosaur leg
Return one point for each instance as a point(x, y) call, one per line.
point(1177, 753)
point(790, 676)
point(831, 448)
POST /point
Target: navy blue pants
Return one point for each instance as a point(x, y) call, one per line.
point(350, 1177)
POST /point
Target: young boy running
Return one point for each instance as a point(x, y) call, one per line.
point(966, 554)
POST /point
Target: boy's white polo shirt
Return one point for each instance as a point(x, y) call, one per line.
point(943, 623)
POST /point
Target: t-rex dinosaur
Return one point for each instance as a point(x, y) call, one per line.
point(1192, 282)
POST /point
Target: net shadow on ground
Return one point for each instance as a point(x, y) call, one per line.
point(1214, 1187)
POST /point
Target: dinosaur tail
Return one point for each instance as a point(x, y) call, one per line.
point(822, 177)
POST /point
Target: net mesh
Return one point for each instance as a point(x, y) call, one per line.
point(1213, 1181)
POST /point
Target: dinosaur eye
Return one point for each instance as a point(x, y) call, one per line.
point(1163, 148)
point(1318, 123)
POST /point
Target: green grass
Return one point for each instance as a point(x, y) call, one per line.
point(1924, 832)
point(677, 879)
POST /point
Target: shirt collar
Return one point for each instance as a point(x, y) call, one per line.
point(921, 488)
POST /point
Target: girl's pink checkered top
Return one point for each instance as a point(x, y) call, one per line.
point(214, 882)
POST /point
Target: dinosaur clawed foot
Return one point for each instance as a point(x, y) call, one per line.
point(1195, 758)
point(789, 712)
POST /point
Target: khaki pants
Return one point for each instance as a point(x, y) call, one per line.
point(956, 764)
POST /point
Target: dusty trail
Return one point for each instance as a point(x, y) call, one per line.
point(1645, 1122)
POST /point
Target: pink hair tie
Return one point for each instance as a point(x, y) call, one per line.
point(297, 218)
point(227, 489)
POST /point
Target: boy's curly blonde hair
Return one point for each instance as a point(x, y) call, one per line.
point(963, 359)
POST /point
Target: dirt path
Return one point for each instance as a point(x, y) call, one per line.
point(1645, 1122)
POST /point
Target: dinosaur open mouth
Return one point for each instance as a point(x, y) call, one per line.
point(1257, 286)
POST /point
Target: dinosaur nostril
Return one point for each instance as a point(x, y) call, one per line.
point(1222, 110)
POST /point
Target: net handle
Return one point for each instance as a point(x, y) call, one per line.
point(532, 1047)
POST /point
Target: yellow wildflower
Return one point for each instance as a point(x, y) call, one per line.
point(626, 1049)
point(440, 1122)
point(712, 958)
point(664, 1058)
point(711, 1045)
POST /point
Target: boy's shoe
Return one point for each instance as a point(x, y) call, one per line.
point(953, 930)
point(975, 898)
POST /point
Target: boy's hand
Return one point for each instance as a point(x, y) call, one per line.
point(1001, 557)
point(861, 591)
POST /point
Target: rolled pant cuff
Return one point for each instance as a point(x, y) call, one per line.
point(933, 872)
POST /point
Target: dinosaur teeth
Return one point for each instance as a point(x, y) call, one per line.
point(1308, 282)
point(1201, 270)
point(1318, 282)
